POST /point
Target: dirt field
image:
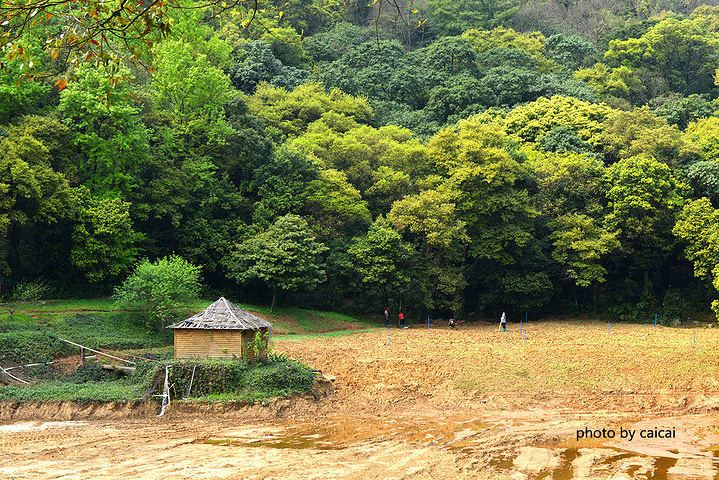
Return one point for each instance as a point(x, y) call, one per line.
point(469, 403)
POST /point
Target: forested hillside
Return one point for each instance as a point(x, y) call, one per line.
point(443, 156)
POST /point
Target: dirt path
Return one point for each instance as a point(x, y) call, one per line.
point(411, 410)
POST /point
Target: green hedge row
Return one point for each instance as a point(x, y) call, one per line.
point(246, 381)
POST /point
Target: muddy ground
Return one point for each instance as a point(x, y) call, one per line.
point(406, 410)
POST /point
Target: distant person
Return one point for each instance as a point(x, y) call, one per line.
point(455, 323)
point(401, 320)
point(503, 322)
point(386, 317)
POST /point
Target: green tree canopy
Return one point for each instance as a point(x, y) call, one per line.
point(110, 136)
point(159, 288)
point(380, 259)
point(568, 184)
point(30, 191)
point(644, 199)
point(284, 257)
point(627, 134)
point(534, 120)
point(580, 244)
point(104, 242)
point(287, 114)
point(679, 55)
point(698, 229)
point(429, 220)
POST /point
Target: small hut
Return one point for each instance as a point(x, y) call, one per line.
point(222, 330)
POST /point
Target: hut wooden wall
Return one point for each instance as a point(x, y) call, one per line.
point(195, 343)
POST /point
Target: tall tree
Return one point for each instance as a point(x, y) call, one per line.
point(381, 260)
point(579, 246)
point(492, 200)
point(678, 55)
point(104, 242)
point(698, 229)
point(454, 18)
point(284, 257)
point(644, 199)
point(30, 191)
point(627, 134)
point(429, 220)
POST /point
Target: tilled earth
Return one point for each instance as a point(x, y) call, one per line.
point(438, 404)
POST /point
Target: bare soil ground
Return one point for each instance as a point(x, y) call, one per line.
point(469, 403)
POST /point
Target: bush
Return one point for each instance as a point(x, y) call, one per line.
point(25, 292)
point(92, 372)
point(159, 288)
point(279, 379)
point(207, 377)
point(245, 381)
point(674, 305)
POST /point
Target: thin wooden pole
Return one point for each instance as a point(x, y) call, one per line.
point(96, 351)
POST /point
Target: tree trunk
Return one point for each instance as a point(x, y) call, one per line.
point(576, 301)
point(594, 298)
point(274, 296)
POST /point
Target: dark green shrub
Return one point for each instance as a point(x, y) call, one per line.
point(207, 377)
point(675, 304)
point(93, 372)
point(280, 378)
point(247, 381)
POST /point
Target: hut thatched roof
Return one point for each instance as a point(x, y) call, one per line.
point(223, 315)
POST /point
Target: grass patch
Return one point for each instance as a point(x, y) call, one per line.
point(339, 333)
point(89, 383)
point(86, 393)
point(300, 321)
point(116, 331)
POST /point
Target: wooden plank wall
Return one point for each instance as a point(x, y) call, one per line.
point(191, 343)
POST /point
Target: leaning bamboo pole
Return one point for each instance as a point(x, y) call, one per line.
point(96, 351)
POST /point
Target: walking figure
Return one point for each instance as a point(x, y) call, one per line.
point(386, 317)
point(401, 320)
point(503, 322)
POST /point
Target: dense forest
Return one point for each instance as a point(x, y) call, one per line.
point(445, 157)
